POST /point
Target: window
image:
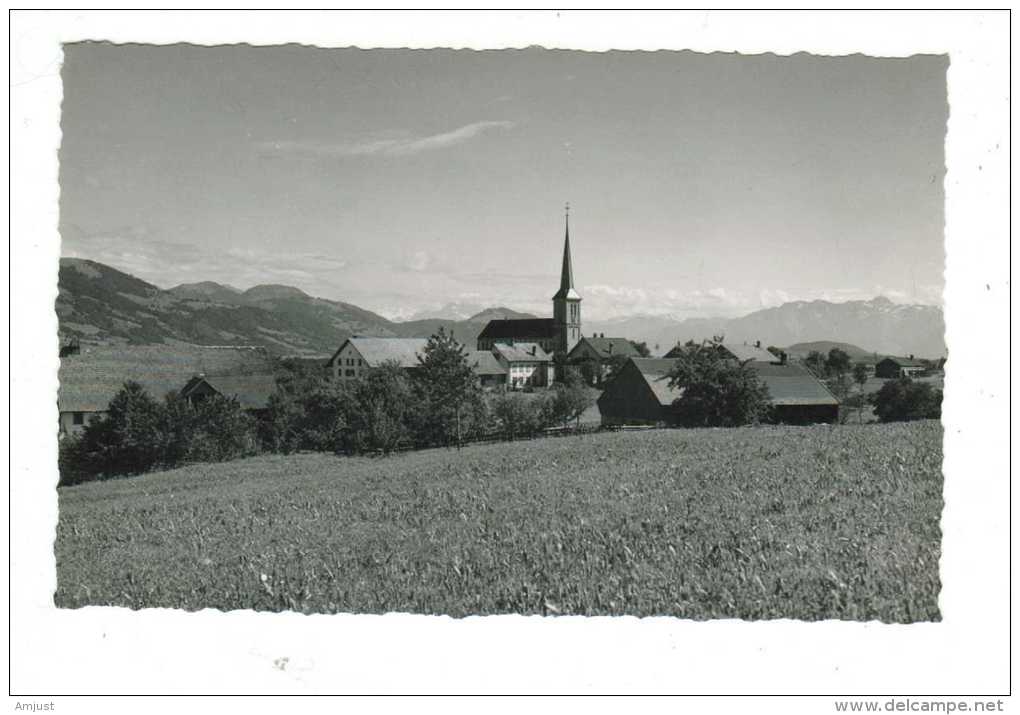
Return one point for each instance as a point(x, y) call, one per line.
point(359, 362)
point(349, 373)
point(78, 418)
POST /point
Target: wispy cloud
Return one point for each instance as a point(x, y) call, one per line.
point(383, 145)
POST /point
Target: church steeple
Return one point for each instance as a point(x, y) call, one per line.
point(567, 273)
point(567, 302)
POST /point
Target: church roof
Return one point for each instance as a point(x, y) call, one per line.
point(520, 328)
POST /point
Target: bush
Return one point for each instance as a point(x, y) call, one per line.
point(904, 400)
point(520, 415)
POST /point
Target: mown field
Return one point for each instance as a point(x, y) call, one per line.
point(771, 522)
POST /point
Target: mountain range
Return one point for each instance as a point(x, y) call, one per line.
point(97, 303)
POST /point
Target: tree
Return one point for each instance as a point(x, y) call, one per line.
point(837, 363)
point(860, 375)
point(717, 391)
point(377, 410)
point(212, 430)
point(570, 399)
point(128, 439)
point(905, 400)
point(815, 362)
point(642, 348)
point(445, 385)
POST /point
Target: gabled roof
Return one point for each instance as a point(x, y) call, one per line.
point(656, 371)
point(788, 384)
point(252, 392)
point(485, 363)
point(90, 379)
point(376, 351)
point(522, 352)
point(519, 328)
point(743, 353)
point(608, 347)
point(793, 385)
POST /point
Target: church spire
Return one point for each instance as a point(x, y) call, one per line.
point(567, 274)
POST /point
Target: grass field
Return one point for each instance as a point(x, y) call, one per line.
point(771, 522)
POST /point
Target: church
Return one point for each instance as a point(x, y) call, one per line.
point(556, 335)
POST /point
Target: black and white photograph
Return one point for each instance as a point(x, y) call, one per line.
point(447, 332)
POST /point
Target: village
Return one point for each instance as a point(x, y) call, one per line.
point(628, 386)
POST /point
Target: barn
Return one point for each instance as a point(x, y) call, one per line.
point(252, 392)
point(91, 377)
point(640, 394)
point(894, 367)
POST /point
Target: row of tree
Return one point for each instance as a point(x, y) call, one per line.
point(387, 409)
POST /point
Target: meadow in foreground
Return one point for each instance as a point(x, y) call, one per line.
point(768, 522)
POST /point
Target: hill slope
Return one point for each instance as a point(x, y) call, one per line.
point(97, 303)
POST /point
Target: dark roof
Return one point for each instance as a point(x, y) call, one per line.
point(788, 384)
point(90, 379)
point(520, 328)
point(485, 363)
point(376, 351)
point(791, 384)
point(902, 361)
point(252, 392)
point(608, 347)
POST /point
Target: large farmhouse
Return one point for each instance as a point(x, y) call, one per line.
point(91, 376)
point(641, 394)
point(357, 355)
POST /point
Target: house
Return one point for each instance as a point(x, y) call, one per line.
point(357, 355)
point(600, 352)
point(527, 364)
point(252, 392)
point(90, 377)
point(491, 374)
point(641, 394)
point(557, 335)
point(893, 367)
point(738, 351)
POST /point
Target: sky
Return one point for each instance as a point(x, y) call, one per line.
point(414, 181)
